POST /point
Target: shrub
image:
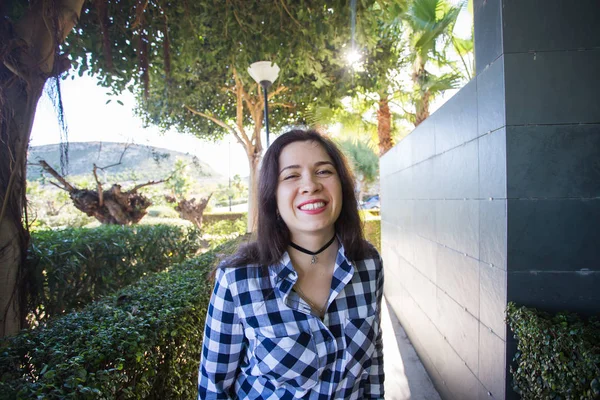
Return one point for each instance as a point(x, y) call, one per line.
point(71, 267)
point(162, 212)
point(558, 356)
point(165, 221)
point(372, 230)
point(223, 231)
point(142, 343)
point(209, 218)
point(225, 203)
point(68, 217)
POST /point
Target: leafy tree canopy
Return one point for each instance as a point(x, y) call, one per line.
point(177, 54)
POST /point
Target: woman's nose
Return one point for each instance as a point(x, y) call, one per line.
point(310, 185)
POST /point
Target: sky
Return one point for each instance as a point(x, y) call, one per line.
point(89, 118)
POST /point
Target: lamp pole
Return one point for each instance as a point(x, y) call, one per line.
point(265, 85)
point(264, 73)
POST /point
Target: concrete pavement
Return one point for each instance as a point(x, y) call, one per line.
point(405, 376)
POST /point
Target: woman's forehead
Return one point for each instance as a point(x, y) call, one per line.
point(302, 152)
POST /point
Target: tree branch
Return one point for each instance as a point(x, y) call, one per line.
point(120, 159)
point(58, 186)
point(67, 186)
point(218, 122)
point(288, 13)
point(241, 96)
point(98, 187)
point(285, 105)
point(137, 187)
point(240, 89)
point(275, 92)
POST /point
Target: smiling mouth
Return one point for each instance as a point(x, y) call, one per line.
point(312, 206)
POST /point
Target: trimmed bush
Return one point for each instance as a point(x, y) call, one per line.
point(162, 212)
point(558, 355)
point(209, 218)
point(142, 343)
point(223, 231)
point(372, 230)
point(72, 267)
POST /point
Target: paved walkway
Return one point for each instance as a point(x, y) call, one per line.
point(405, 376)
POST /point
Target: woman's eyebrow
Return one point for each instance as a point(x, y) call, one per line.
point(317, 164)
point(289, 167)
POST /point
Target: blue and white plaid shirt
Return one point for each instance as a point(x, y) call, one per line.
point(262, 340)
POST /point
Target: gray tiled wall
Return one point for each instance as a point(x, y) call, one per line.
point(496, 197)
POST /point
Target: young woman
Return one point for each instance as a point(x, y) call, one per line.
point(296, 314)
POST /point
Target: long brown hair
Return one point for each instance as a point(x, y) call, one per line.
point(272, 235)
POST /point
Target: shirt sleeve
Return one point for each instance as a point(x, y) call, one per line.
point(374, 388)
point(222, 344)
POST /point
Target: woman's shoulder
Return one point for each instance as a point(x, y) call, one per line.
point(239, 272)
point(370, 258)
point(370, 252)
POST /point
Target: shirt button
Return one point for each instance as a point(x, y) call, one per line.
point(329, 339)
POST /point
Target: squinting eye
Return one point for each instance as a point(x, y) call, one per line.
point(324, 172)
point(289, 177)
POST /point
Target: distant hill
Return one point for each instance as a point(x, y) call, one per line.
point(140, 163)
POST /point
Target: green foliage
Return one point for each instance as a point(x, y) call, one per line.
point(372, 229)
point(162, 212)
point(72, 267)
point(166, 221)
point(306, 39)
point(220, 232)
point(209, 218)
point(49, 207)
point(180, 181)
point(558, 355)
point(363, 159)
point(431, 23)
point(237, 190)
point(69, 217)
point(143, 342)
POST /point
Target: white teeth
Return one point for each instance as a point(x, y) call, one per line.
point(312, 206)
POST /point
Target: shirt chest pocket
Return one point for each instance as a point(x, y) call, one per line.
point(359, 335)
point(290, 360)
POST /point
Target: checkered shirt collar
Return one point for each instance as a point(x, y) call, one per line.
point(283, 275)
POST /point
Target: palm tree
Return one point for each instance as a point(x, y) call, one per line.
point(364, 161)
point(431, 23)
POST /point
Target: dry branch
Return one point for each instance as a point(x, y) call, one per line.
point(190, 210)
point(112, 206)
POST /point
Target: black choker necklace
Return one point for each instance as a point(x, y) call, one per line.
point(312, 253)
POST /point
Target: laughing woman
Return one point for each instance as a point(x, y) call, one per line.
point(296, 313)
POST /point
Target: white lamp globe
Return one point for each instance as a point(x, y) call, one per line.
point(264, 72)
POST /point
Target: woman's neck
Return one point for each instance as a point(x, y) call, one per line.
point(312, 242)
point(304, 261)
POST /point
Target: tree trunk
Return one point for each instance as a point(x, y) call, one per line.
point(27, 60)
point(421, 103)
point(254, 158)
point(18, 110)
point(384, 126)
point(422, 107)
point(190, 210)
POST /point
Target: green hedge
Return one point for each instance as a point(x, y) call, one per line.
point(372, 230)
point(72, 267)
point(558, 355)
point(142, 343)
point(209, 218)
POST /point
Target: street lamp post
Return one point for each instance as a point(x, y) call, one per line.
point(264, 73)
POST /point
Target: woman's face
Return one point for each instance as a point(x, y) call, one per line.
point(309, 191)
